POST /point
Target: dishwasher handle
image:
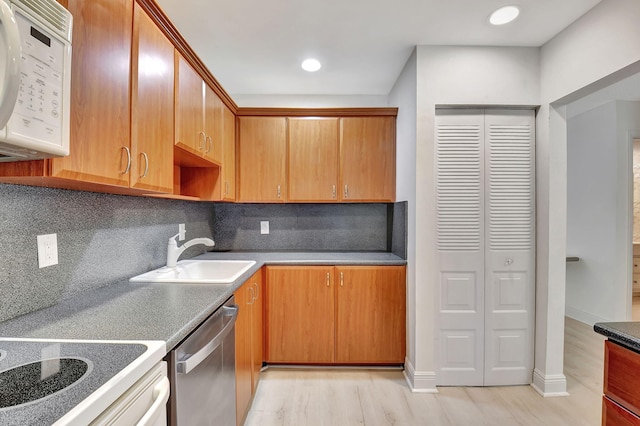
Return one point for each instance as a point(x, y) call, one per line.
point(185, 366)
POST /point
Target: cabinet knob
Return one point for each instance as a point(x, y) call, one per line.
point(508, 261)
point(346, 191)
point(279, 192)
point(333, 191)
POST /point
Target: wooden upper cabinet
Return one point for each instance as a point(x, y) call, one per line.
point(213, 126)
point(367, 159)
point(100, 109)
point(189, 108)
point(262, 153)
point(228, 154)
point(151, 106)
point(370, 314)
point(300, 314)
point(313, 159)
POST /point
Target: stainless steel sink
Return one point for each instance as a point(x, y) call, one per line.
point(198, 272)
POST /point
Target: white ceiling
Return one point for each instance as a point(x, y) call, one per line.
point(255, 47)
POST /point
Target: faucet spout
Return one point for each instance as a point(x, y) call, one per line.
point(174, 252)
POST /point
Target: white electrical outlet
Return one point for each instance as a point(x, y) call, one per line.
point(47, 250)
point(264, 226)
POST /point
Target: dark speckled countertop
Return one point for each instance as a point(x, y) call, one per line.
point(169, 312)
point(625, 333)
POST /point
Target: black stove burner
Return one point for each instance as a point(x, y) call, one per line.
point(26, 383)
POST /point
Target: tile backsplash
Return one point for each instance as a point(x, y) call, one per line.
point(356, 227)
point(102, 239)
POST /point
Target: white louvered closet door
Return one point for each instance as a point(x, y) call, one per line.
point(509, 250)
point(485, 211)
point(460, 239)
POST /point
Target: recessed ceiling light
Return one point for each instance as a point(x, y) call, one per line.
point(504, 15)
point(311, 65)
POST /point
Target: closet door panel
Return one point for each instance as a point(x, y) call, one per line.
point(509, 265)
point(460, 244)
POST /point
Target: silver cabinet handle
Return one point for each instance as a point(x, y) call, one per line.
point(202, 141)
point(257, 291)
point(128, 167)
point(187, 365)
point(346, 191)
point(208, 144)
point(333, 191)
point(279, 193)
point(146, 165)
point(253, 296)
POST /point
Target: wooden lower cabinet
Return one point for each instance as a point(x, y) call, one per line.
point(621, 400)
point(370, 317)
point(299, 314)
point(248, 342)
point(614, 414)
point(335, 315)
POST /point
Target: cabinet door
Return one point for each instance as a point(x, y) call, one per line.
point(300, 314)
point(151, 106)
point(367, 159)
point(100, 111)
point(370, 314)
point(189, 104)
point(244, 297)
point(213, 126)
point(257, 329)
point(313, 159)
point(262, 152)
point(229, 155)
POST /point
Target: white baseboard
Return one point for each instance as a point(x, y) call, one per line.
point(549, 385)
point(582, 316)
point(419, 382)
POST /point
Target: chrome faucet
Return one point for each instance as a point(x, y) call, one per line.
point(174, 252)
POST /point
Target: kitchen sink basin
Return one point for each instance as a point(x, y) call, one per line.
point(198, 272)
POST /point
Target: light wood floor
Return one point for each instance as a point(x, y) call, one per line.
point(332, 397)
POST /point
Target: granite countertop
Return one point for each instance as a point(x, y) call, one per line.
point(625, 333)
point(169, 312)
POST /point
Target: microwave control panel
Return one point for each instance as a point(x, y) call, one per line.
point(38, 114)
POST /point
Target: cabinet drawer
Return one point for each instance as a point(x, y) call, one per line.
point(622, 376)
point(615, 415)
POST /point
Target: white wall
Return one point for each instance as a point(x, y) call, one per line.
point(310, 101)
point(404, 96)
point(598, 211)
point(601, 42)
point(597, 49)
point(453, 75)
point(592, 164)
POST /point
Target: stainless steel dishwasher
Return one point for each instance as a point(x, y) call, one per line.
point(202, 373)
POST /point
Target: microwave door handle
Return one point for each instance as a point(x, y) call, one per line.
point(186, 365)
point(11, 84)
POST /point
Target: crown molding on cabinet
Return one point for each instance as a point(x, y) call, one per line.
point(167, 27)
point(316, 112)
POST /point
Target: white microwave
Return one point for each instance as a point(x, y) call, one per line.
point(35, 79)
